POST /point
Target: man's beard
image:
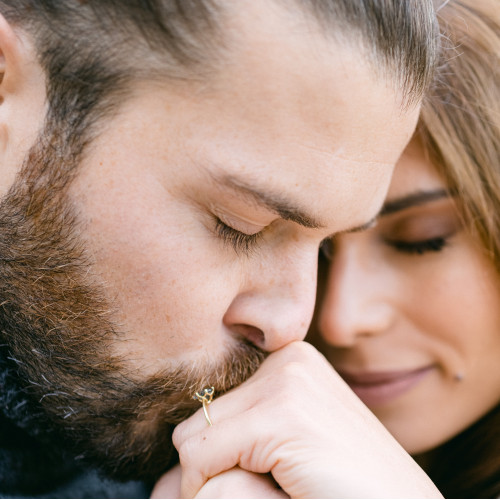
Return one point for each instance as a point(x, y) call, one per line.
point(56, 329)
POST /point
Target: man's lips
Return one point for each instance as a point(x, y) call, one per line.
point(378, 388)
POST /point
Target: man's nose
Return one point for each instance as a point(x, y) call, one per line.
point(356, 301)
point(276, 304)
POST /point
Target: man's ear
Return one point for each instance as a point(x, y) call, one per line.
point(22, 99)
point(10, 57)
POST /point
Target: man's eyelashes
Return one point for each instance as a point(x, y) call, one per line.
point(242, 243)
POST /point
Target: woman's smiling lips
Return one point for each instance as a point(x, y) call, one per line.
point(378, 388)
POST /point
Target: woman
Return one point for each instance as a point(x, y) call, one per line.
point(410, 318)
point(411, 311)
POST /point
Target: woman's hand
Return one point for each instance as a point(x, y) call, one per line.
point(234, 483)
point(296, 419)
point(169, 485)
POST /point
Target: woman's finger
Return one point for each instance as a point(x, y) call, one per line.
point(239, 483)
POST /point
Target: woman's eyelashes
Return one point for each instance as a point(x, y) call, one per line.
point(419, 247)
point(424, 233)
point(241, 242)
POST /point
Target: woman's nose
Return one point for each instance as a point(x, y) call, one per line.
point(355, 301)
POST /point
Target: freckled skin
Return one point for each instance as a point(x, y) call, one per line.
point(162, 194)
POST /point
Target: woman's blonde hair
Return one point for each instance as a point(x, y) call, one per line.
point(460, 129)
point(460, 120)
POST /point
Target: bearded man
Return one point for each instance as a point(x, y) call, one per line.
point(169, 169)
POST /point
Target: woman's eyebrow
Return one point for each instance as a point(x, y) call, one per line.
point(413, 199)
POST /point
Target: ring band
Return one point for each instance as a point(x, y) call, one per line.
point(205, 397)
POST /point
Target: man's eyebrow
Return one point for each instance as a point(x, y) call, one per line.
point(271, 201)
point(414, 199)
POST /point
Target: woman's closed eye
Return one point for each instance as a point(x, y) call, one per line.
point(425, 230)
point(421, 247)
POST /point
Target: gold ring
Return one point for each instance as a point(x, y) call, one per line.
point(205, 397)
